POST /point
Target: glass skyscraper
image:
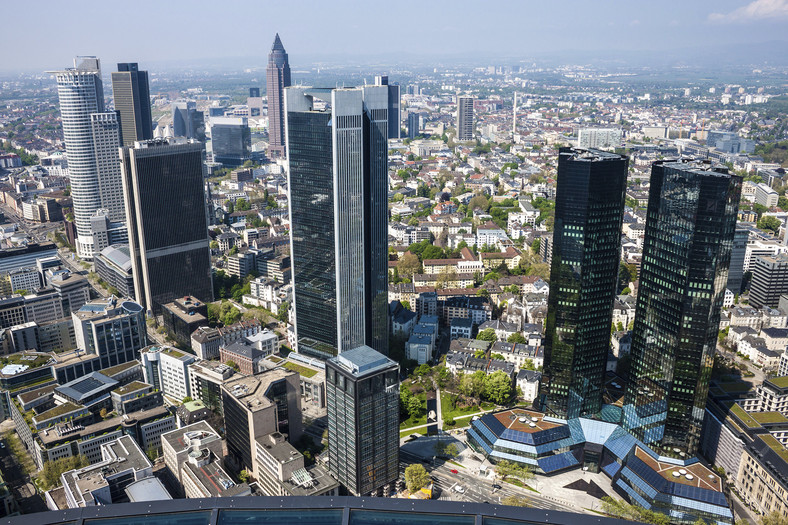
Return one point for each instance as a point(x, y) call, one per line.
point(338, 217)
point(131, 93)
point(231, 140)
point(690, 226)
point(589, 208)
point(362, 401)
point(167, 221)
point(187, 121)
point(277, 78)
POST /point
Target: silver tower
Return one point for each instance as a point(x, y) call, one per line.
point(92, 140)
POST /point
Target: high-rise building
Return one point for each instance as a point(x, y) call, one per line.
point(187, 121)
point(338, 202)
point(395, 117)
point(589, 208)
point(131, 93)
point(277, 78)
point(599, 138)
point(231, 140)
point(464, 118)
point(167, 221)
point(690, 225)
point(106, 140)
point(362, 399)
point(111, 329)
point(769, 280)
point(738, 254)
point(413, 124)
point(81, 95)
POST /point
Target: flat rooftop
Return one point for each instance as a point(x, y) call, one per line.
point(250, 390)
point(695, 475)
point(215, 480)
point(179, 439)
point(131, 387)
point(51, 436)
point(362, 360)
point(522, 420)
point(86, 386)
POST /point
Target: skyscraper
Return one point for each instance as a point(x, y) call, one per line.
point(395, 118)
point(81, 95)
point(187, 121)
point(231, 140)
point(464, 118)
point(589, 207)
point(413, 124)
point(690, 225)
point(338, 206)
point(106, 140)
point(277, 78)
point(362, 402)
point(167, 221)
point(131, 93)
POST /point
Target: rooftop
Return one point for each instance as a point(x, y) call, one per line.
point(695, 475)
point(523, 420)
point(109, 372)
point(362, 360)
point(20, 362)
point(215, 480)
point(779, 382)
point(250, 390)
point(302, 370)
point(66, 432)
point(131, 387)
point(183, 437)
point(86, 386)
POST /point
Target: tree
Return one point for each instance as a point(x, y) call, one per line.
point(621, 509)
point(409, 264)
point(243, 476)
point(528, 365)
point(516, 501)
point(405, 304)
point(498, 387)
point(770, 223)
point(50, 474)
point(774, 518)
point(536, 245)
point(479, 202)
point(282, 311)
point(230, 206)
point(103, 413)
point(517, 338)
point(187, 399)
point(242, 205)
point(488, 334)
point(416, 477)
point(232, 364)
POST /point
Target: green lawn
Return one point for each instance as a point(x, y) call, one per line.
point(302, 370)
point(406, 433)
point(448, 413)
point(422, 419)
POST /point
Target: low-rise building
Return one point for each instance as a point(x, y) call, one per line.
point(282, 471)
point(183, 316)
point(528, 382)
point(178, 444)
point(166, 368)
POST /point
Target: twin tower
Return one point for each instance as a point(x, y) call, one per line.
point(691, 219)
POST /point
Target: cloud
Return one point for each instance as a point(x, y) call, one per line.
point(756, 10)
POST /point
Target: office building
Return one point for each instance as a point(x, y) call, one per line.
point(599, 138)
point(395, 116)
point(769, 280)
point(583, 279)
point(183, 316)
point(131, 93)
point(206, 379)
point(113, 265)
point(765, 195)
point(231, 140)
point(690, 228)
point(187, 121)
point(738, 254)
point(413, 124)
point(111, 329)
point(277, 78)
point(338, 217)
point(255, 406)
point(282, 471)
point(464, 118)
point(90, 136)
point(105, 230)
point(167, 369)
point(167, 221)
point(362, 399)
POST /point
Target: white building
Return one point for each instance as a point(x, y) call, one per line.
point(766, 195)
point(528, 382)
point(599, 138)
point(167, 369)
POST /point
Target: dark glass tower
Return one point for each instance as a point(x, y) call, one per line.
point(362, 401)
point(589, 207)
point(167, 221)
point(338, 203)
point(686, 254)
point(187, 121)
point(277, 78)
point(131, 92)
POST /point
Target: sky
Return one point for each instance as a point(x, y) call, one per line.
point(47, 34)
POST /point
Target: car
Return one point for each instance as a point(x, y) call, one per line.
point(458, 488)
point(454, 471)
point(496, 486)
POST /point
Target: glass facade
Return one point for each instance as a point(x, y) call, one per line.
point(231, 143)
point(363, 425)
point(167, 222)
point(131, 94)
point(583, 279)
point(236, 424)
point(690, 227)
point(277, 77)
point(338, 206)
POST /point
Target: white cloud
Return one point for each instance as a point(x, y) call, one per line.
point(756, 10)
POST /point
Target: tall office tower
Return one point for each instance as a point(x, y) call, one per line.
point(187, 121)
point(464, 118)
point(255, 102)
point(231, 140)
point(395, 116)
point(106, 141)
point(338, 202)
point(277, 78)
point(81, 94)
point(599, 138)
point(413, 124)
point(132, 101)
point(167, 221)
point(362, 401)
point(690, 226)
point(769, 280)
point(738, 254)
point(589, 207)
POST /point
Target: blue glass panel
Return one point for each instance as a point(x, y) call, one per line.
point(634, 495)
point(376, 517)
point(181, 518)
point(283, 517)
